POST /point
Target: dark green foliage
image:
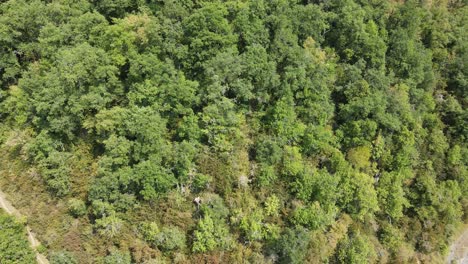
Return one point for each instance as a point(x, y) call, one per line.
point(238, 131)
point(56, 172)
point(292, 245)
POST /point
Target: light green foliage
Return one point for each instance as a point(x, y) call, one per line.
point(312, 85)
point(253, 220)
point(149, 231)
point(314, 216)
point(201, 181)
point(359, 197)
point(292, 161)
point(318, 186)
point(185, 153)
point(76, 207)
point(15, 105)
point(391, 195)
point(14, 246)
point(170, 238)
point(317, 139)
point(109, 226)
point(455, 156)
point(359, 157)
point(391, 237)
point(272, 206)
point(266, 175)
point(252, 225)
point(221, 125)
point(188, 128)
point(210, 235)
point(284, 120)
point(117, 257)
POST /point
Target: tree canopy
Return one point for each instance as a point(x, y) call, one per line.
point(236, 131)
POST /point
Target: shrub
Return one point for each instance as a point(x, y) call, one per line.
point(170, 238)
point(76, 207)
point(62, 257)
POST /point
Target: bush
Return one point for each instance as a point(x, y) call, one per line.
point(314, 216)
point(266, 175)
point(109, 226)
point(210, 235)
point(101, 209)
point(201, 181)
point(149, 231)
point(117, 257)
point(62, 257)
point(167, 238)
point(272, 205)
point(56, 172)
point(14, 247)
point(76, 207)
point(170, 238)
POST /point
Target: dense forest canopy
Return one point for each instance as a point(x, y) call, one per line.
point(314, 131)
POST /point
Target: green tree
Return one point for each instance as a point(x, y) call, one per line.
point(355, 249)
point(358, 195)
point(292, 245)
point(210, 235)
point(170, 238)
point(391, 195)
point(207, 32)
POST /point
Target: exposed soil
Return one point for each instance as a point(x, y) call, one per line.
point(459, 250)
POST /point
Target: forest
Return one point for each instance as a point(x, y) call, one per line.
point(234, 131)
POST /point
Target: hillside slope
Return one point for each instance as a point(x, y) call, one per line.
point(236, 131)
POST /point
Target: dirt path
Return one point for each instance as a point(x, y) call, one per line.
point(459, 250)
point(10, 209)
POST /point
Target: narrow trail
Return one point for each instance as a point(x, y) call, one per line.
point(11, 210)
point(459, 250)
